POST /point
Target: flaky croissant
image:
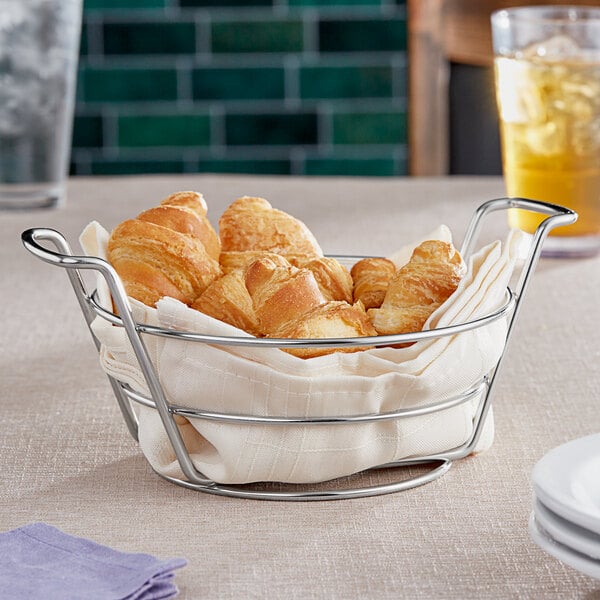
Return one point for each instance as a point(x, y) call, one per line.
point(251, 224)
point(280, 292)
point(418, 288)
point(233, 260)
point(290, 304)
point(228, 300)
point(162, 253)
point(180, 219)
point(371, 277)
point(333, 279)
point(330, 320)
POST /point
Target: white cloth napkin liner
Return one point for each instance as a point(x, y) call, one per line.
point(268, 381)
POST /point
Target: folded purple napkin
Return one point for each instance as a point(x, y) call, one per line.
point(40, 561)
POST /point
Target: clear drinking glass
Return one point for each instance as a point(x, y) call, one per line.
point(547, 66)
point(39, 48)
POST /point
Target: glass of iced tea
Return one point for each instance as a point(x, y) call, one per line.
point(547, 67)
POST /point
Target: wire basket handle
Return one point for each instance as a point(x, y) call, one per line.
point(66, 259)
point(558, 216)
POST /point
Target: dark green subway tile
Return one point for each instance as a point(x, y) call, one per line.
point(128, 85)
point(402, 167)
point(149, 38)
point(362, 35)
point(257, 36)
point(369, 128)
point(76, 169)
point(83, 40)
point(346, 82)
point(381, 167)
point(222, 3)
point(99, 5)
point(329, 3)
point(246, 166)
point(252, 83)
point(271, 129)
point(87, 131)
point(79, 95)
point(164, 130)
point(135, 167)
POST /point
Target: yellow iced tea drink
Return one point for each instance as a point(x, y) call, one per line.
point(550, 131)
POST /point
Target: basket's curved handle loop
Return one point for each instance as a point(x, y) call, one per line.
point(557, 217)
point(66, 259)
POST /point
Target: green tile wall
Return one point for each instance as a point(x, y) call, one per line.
point(301, 87)
point(127, 85)
point(239, 83)
point(163, 130)
point(254, 36)
point(149, 38)
point(347, 82)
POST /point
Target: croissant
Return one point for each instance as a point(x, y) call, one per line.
point(186, 220)
point(332, 277)
point(228, 300)
point(159, 253)
point(280, 292)
point(331, 320)
point(233, 260)
point(371, 278)
point(253, 224)
point(188, 199)
point(418, 288)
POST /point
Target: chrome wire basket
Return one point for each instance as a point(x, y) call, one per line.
point(434, 465)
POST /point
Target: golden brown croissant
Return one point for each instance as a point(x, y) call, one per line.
point(188, 199)
point(418, 288)
point(330, 320)
point(185, 220)
point(332, 277)
point(371, 278)
point(233, 260)
point(228, 300)
point(290, 304)
point(280, 292)
point(159, 254)
point(253, 224)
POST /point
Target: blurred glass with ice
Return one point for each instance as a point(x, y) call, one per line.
point(39, 43)
point(548, 96)
point(557, 47)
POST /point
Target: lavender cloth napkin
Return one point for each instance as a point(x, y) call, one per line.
point(40, 561)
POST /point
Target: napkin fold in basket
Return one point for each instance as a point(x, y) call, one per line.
point(41, 561)
point(268, 381)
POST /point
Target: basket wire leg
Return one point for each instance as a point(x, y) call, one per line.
point(83, 298)
point(557, 216)
point(67, 260)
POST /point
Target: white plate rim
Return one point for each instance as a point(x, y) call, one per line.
point(571, 535)
point(577, 561)
point(556, 494)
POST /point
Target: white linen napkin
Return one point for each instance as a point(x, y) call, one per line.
point(268, 381)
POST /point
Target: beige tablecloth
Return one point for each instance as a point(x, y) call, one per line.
point(67, 459)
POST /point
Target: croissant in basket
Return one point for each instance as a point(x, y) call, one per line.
point(290, 304)
point(418, 288)
point(170, 250)
point(251, 224)
point(266, 274)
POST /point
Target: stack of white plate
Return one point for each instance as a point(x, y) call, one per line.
point(565, 521)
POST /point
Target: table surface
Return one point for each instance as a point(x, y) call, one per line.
point(67, 459)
